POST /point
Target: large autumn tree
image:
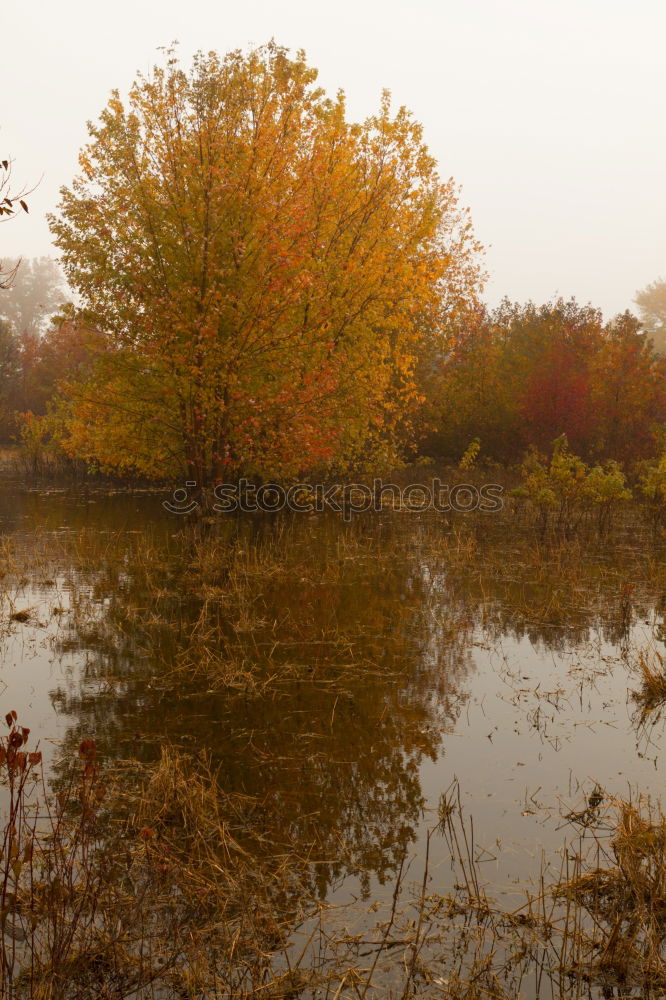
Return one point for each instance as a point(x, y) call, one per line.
point(266, 275)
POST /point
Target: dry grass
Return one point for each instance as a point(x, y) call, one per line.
point(130, 883)
point(651, 670)
point(149, 883)
point(616, 904)
point(193, 899)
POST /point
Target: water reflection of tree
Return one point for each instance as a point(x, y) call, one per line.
point(357, 684)
point(359, 644)
point(557, 595)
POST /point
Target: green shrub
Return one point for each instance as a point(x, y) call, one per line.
point(564, 490)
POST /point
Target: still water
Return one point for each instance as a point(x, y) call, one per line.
point(344, 679)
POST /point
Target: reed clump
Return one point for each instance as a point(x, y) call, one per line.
point(651, 670)
point(616, 905)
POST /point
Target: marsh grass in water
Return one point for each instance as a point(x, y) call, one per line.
point(651, 669)
point(263, 695)
point(124, 882)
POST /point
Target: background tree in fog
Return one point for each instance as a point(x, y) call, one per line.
point(28, 339)
point(651, 302)
point(37, 291)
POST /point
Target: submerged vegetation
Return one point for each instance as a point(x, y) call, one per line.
point(126, 883)
point(263, 697)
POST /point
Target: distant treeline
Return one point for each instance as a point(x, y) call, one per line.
point(524, 375)
point(514, 377)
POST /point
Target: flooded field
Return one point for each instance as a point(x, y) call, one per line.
point(445, 712)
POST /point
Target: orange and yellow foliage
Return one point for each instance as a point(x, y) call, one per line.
point(265, 274)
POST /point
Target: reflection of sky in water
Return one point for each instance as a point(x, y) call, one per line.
point(30, 669)
point(540, 730)
point(461, 683)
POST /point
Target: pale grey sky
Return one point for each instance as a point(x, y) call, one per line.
point(551, 115)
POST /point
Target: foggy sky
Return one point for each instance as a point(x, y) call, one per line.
point(552, 116)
